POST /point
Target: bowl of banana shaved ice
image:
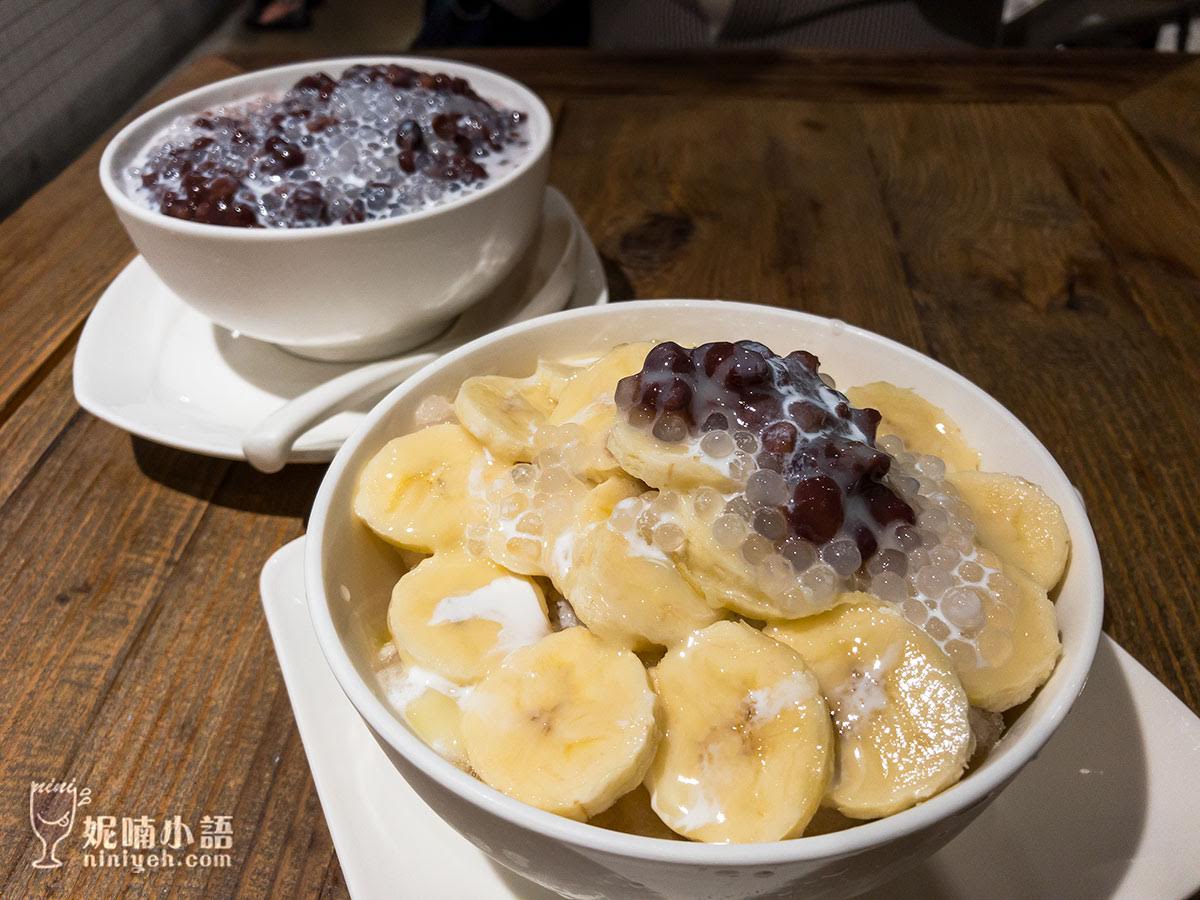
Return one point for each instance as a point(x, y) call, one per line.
point(692, 598)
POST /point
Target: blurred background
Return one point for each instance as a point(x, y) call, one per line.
point(70, 68)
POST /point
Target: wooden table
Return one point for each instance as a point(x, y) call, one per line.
point(1032, 221)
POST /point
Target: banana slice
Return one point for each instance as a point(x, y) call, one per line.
point(724, 577)
point(528, 507)
point(632, 814)
point(674, 466)
point(436, 718)
point(501, 415)
point(419, 491)
point(747, 747)
point(625, 588)
point(428, 703)
point(900, 712)
point(587, 406)
point(566, 725)
point(460, 616)
point(1018, 646)
point(923, 427)
point(1015, 519)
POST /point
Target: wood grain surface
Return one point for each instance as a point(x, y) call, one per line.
point(1031, 221)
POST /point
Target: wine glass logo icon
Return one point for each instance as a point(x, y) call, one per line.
point(52, 806)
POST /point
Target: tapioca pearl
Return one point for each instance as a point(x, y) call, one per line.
point(666, 502)
point(971, 571)
point(908, 487)
point(987, 559)
point(905, 460)
point(766, 488)
point(647, 521)
point(908, 538)
point(917, 559)
point(890, 444)
point(740, 506)
point(962, 654)
point(742, 466)
point(625, 515)
point(745, 441)
point(554, 478)
point(893, 561)
point(524, 548)
point(1002, 586)
point(931, 467)
point(820, 581)
point(958, 541)
point(729, 530)
point(756, 548)
point(932, 581)
point(995, 646)
point(531, 523)
point(933, 519)
point(670, 428)
point(769, 522)
point(776, 574)
point(963, 608)
point(799, 553)
point(434, 410)
point(514, 504)
point(890, 587)
point(937, 629)
point(717, 444)
point(944, 557)
point(843, 557)
point(708, 503)
point(668, 537)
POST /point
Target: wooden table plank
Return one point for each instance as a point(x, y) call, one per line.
point(792, 219)
point(1166, 117)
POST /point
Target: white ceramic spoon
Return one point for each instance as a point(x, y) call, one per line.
point(269, 444)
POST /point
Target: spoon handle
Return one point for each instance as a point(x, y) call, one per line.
point(269, 444)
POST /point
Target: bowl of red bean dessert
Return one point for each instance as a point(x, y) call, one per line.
point(343, 209)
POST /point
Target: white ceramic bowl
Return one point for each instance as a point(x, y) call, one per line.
point(349, 575)
point(346, 291)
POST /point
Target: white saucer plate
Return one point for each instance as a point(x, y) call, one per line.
point(1106, 810)
point(151, 365)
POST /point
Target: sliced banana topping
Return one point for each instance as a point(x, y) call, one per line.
point(923, 427)
point(1018, 646)
point(500, 415)
point(428, 702)
point(421, 490)
point(586, 410)
point(747, 744)
point(668, 466)
point(459, 616)
point(566, 725)
point(900, 712)
point(1017, 520)
point(623, 586)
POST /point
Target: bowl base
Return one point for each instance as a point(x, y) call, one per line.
point(371, 348)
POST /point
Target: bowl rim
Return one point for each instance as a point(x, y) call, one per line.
point(957, 798)
point(193, 99)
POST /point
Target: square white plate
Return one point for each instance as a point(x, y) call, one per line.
point(1109, 809)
